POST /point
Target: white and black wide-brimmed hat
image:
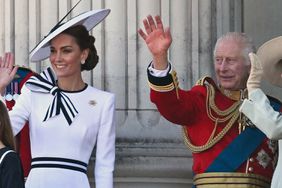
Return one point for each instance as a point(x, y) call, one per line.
point(88, 19)
point(270, 55)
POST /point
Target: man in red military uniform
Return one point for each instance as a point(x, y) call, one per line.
point(227, 149)
point(12, 92)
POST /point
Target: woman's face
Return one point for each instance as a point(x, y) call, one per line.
point(66, 56)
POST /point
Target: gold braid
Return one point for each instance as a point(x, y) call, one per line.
point(231, 114)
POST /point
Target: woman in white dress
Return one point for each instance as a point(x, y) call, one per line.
point(67, 117)
point(266, 64)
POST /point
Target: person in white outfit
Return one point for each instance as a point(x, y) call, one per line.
point(266, 64)
point(67, 117)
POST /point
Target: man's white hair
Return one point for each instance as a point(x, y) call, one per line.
point(241, 38)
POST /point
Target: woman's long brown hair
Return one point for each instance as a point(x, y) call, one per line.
point(6, 133)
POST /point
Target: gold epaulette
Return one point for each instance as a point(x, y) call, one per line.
point(205, 80)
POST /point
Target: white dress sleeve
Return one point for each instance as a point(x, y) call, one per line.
point(258, 109)
point(105, 148)
point(21, 110)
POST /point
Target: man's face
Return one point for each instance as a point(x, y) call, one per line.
point(231, 68)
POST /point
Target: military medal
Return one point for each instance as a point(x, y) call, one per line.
point(16, 91)
point(9, 96)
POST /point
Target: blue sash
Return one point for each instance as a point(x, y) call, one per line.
point(238, 151)
point(241, 148)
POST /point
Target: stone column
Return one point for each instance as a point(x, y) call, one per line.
point(149, 150)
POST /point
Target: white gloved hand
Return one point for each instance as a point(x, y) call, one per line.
point(256, 73)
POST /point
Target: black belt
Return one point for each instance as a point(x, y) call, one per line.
point(56, 162)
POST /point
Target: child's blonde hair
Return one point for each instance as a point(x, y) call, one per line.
point(6, 133)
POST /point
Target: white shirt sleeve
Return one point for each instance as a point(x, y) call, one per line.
point(158, 73)
point(105, 148)
point(258, 109)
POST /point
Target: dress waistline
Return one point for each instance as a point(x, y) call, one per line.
point(57, 162)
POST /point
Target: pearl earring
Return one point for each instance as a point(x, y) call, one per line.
point(82, 61)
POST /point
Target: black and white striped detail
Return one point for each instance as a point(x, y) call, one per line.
point(46, 83)
point(56, 162)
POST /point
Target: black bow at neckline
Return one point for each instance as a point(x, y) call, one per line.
point(45, 82)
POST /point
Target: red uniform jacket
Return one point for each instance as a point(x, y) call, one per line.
point(189, 108)
point(23, 143)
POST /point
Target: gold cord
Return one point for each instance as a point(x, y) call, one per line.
point(231, 114)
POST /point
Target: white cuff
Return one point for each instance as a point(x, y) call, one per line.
point(158, 73)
